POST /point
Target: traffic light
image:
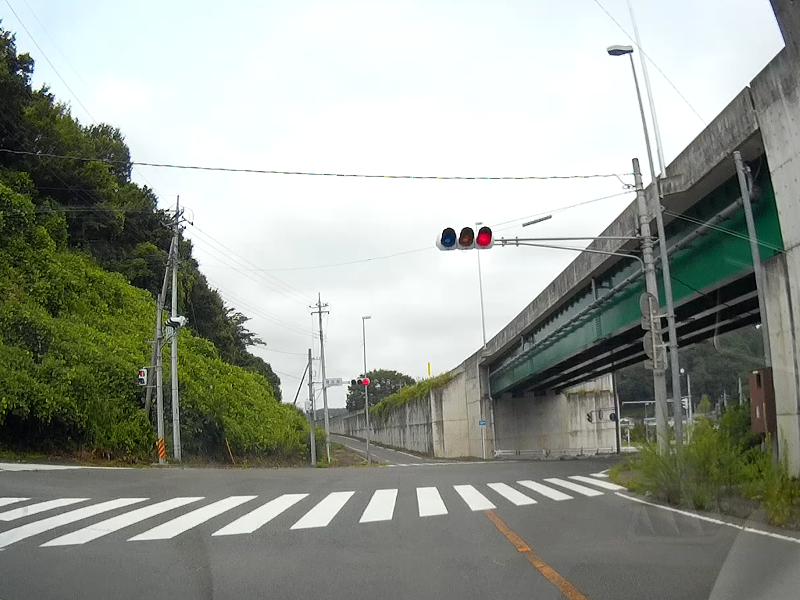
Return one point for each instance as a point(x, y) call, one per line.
point(466, 240)
point(360, 381)
point(589, 417)
point(142, 378)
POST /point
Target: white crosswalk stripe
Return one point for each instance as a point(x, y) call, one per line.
point(33, 509)
point(261, 516)
point(25, 531)
point(512, 495)
point(380, 507)
point(581, 489)
point(430, 502)
point(474, 499)
point(544, 490)
point(606, 485)
point(322, 514)
point(7, 501)
point(92, 532)
point(170, 529)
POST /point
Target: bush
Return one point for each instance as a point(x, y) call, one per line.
point(419, 390)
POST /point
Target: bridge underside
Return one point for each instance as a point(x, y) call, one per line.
point(712, 312)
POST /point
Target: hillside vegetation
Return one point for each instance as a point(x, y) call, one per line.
point(82, 252)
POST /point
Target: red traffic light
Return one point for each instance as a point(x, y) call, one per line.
point(360, 381)
point(484, 239)
point(365, 381)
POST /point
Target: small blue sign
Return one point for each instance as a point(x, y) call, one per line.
point(482, 423)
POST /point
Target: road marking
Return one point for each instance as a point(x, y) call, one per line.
point(324, 512)
point(474, 499)
point(565, 587)
point(606, 485)
point(25, 531)
point(574, 487)
point(430, 502)
point(92, 532)
point(33, 509)
point(544, 490)
point(7, 501)
point(261, 515)
point(511, 494)
point(168, 530)
point(380, 507)
point(686, 513)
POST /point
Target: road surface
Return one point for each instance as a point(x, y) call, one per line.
point(380, 454)
point(427, 530)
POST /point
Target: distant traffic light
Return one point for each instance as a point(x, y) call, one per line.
point(142, 378)
point(589, 417)
point(360, 381)
point(466, 240)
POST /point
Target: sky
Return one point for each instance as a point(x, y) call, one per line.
point(516, 88)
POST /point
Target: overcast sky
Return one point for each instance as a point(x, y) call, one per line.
point(419, 88)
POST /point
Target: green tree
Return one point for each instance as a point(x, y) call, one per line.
point(382, 383)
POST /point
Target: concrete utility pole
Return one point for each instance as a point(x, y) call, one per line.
point(319, 312)
point(366, 387)
point(159, 377)
point(312, 418)
point(480, 287)
point(176, 418)
point(651, 284)
point(149, 393)
point(744, 188)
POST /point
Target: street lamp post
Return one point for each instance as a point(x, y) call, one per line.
point(366, 387)
point(665, 269)
point(480, 287)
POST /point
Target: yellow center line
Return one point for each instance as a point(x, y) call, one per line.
point(565, 587)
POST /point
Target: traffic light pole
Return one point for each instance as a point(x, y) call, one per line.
point(149, 393)
point(176, 417)
point(366, 387)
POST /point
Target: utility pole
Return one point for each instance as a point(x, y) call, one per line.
point(312, 418)
point(744, 188)
point(480, 286)
point(366, 387)
point(159, 379)
point(651, 284)
point(176, 418)
point(149, 393)
point(319, 311)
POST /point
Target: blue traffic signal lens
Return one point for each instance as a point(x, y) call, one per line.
point(449, 237)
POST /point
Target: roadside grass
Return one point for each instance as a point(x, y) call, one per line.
point(722, 468)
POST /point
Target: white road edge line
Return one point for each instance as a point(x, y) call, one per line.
point(606, 485)
point(686, 513)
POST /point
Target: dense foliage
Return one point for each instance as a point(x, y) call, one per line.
point(83, 252)
point(419, 390)
point(382, 384)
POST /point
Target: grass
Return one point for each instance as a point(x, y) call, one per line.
point(419, 390)
point(723, 468)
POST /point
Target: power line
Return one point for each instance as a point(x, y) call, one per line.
point(282, 351)
point(310, 173)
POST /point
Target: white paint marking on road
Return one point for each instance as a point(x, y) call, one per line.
point(544, 490)
point(600, 475)
point(168, 530)
point(92, 532)
point(7, 501)
point(686, 513)
point(474, 499)
point(25, 531)
point(581, 489)
point(261, 515)
point(606, 485)
point(509, 493)
point(430, 502)
point(26, 511)
point(406, 454)
point(324, 512)
point(380, 507)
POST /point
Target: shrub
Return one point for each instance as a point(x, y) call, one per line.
point(419, 390)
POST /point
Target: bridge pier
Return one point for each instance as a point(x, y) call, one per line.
point(555, 424)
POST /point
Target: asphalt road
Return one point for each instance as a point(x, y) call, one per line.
point(380, 454)
point(427, 530)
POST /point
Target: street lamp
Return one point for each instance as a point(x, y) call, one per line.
point(366, 387)
point(619, 50)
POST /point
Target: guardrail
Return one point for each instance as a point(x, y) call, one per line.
point(556, 453)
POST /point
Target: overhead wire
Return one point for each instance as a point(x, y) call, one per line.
point(317, 174)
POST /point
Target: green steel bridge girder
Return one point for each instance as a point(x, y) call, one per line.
point(714, 258)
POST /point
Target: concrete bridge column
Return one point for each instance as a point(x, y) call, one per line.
point(776, 98)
